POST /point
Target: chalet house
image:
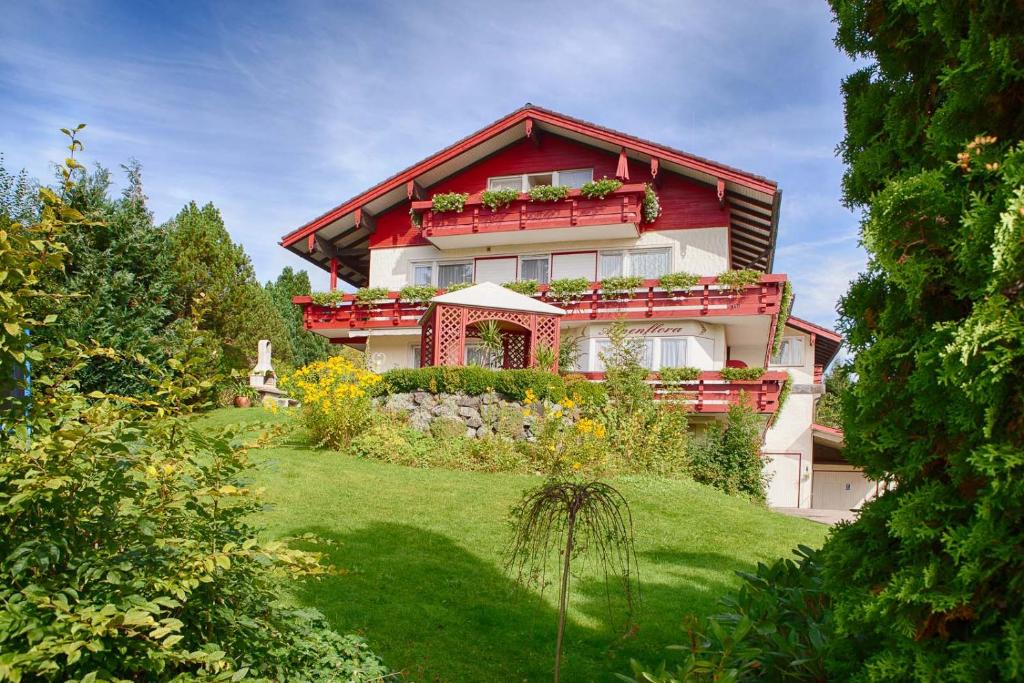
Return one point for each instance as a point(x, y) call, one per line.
point(669, 212)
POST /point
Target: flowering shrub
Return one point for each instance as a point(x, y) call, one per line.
point(568, 439)
point(548, 193)
point(652, 205)
point(599, 189)
point(498, 199)
point(336, 399)
point(449, 201)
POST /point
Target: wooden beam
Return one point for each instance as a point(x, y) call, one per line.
point(532, 132)
point(656, 174)
point(414, 191)
point(720, 190)
point(365, 220)
point(334, 274)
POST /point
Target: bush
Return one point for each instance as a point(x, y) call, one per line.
point(652, 205)
point(457, 286)
point(677, 375)
point(738, 280)
point(613, 287)
point(366, 296)
point(474, 381)
point(527, 287)
point(777, 627)
point(327, 298)
point(599, 189)
point(678, 282)
point(417, 294)
point(498, 199)
point(449, 201)
point(728, 456)
point(335, 396)
point(387, 441)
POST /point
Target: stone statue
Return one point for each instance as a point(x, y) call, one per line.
point(263, 374)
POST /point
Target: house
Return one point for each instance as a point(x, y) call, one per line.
point(586, 255)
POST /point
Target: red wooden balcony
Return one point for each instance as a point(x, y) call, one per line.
point(711, 394)
point(523, 221)
point(649, 302)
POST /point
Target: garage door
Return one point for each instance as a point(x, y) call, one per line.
point(840, 490)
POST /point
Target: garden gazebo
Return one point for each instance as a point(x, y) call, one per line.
point(525, 323)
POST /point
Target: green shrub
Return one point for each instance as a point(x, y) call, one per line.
point(498, 199)
point(728, 455)
point(527, 287)
point(447, 428)
point(738, 280)
point(548, 193)
point(366, 296)
point(417, 294)
point(474, 381)
point(617, 285)
point(777, 627)
point(327, 298)
point(449, 201)
point(677, 375)
point(742, 374)
point(457, 286)
point(568, 289)
point(678, 282)
point(599, 189)
point(388, 441)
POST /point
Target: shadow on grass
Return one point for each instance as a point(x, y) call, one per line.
point(438, 612)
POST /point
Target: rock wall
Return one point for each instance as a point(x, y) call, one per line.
point(461, 415)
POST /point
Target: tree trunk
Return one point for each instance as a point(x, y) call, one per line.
point(563, 598)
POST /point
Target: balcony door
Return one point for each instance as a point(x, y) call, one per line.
point(498, 270)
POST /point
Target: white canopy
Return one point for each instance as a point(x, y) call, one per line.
point(490, 295)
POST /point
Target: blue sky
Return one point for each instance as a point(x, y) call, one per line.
point(277, 111)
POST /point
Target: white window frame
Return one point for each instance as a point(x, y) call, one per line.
point(592, 352)
point(791, 339)
point(524, 183)
point(435, 267)
point(626, 262)
point(415, 355)
point(533, 257)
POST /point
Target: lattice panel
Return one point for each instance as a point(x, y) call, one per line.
point(451, 334)
point(427, 342)
point(516, 344)
point(479, 314)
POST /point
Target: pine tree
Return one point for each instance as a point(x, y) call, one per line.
point(306, 346)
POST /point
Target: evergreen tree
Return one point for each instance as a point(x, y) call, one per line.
point(205, 261)
point(118, 282)
point(306, 346)
point(928, 583)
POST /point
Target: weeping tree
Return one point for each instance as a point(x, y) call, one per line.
point(575, 522)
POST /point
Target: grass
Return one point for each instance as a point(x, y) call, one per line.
point(420, 554)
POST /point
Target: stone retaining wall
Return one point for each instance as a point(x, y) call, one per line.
point(482, 415)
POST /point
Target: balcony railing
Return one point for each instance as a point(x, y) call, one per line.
point(648, 302)
point(619, 208)
point(709, 393)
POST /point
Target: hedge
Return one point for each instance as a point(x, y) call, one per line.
point(474, 381)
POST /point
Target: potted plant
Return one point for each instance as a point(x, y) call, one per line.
point(245, 395)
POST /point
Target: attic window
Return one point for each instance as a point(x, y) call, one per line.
point(522, 183)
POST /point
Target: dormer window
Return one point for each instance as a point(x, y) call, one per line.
point(524, 182)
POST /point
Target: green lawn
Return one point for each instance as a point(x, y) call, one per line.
point(422, 574)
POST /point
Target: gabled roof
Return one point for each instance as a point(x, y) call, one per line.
point(490, 295)
point(753, 200)
point(826, 341)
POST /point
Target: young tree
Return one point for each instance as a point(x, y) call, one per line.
point(306, 346)
point(204, 260)
point(927, 583)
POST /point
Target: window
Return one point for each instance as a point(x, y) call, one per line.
point(442, 274)
point(791, 352)
point(416, 357)
point(522, 183)
point(535, 268)
point(423, 274)
point(601, 346)
point(645, 263)
point(673, 353)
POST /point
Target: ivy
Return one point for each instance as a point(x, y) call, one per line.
point(449, 201)
point(548, 193)
point(618, 285)
point(738, 280)
point(784, 308)
point(417, 294)
point(787, 386)
point(678, 282)
point(527, 287)
point(742, 374)
point(568, 289)
point(651, 207)
point(415, 218)
point(366, 296)
point(599, 189)
point(677, 375)
point(498, 199)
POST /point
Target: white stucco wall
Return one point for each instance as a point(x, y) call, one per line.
point(386, 352)
point(702, 251)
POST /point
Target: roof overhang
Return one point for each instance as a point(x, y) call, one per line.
point(827, 436)
point(343, 233)
point(826, 342)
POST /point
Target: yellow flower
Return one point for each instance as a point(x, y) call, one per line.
point(527, 413)
point(577, 466)
point(568, 403)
